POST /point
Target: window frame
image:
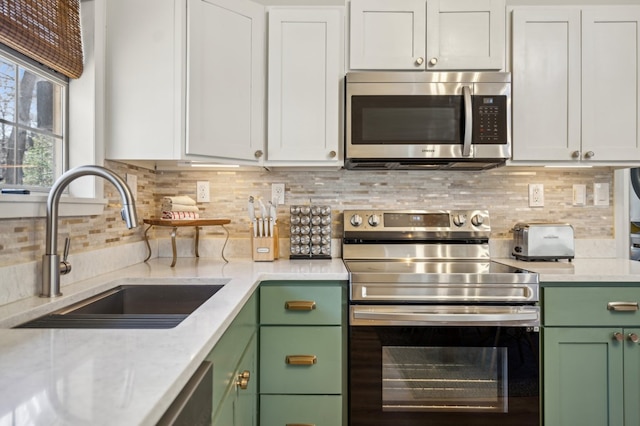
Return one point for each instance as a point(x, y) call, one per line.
point(85, 127)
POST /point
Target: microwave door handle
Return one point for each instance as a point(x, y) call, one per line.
point(468, 121)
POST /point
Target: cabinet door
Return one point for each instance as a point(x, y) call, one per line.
point(387, 34)
point(465, 34)
point(546, 83)
point(228, 356)
point(144, 79)
point(305, 69)
point(246, 404)
point(583, 377)
point(225, 86)
point(610, 83)
point(631, 377)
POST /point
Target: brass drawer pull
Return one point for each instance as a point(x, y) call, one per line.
point(301, 359)
point(622, 306)
point(299, 305)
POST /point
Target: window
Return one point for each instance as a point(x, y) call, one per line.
point(33, 117)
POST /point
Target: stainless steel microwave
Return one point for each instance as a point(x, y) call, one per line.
point(427, 120)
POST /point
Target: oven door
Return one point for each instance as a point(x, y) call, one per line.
point(443, 372)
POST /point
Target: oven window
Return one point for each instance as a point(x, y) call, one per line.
point(444, 379)
point(406, 119)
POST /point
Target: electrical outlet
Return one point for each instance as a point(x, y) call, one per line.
point(536, 195)
point(277, 193)
point(202, 191)
point(132, 183)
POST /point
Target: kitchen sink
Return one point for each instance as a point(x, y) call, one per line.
point(130, 306)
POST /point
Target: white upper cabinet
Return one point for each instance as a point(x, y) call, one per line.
point(185, 79)
point(576, 84)
point(427, 34)
point(226, 80)
point(143, 79)
point(610, 83)
point(388, 34)
point(305, 71)
point(465, 34)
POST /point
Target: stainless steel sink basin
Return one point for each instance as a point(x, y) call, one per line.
point(130, 306)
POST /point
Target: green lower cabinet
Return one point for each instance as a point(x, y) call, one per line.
point(235, 398)
point(303, 359)
point(631, 376)
point(317, 410)
point(591, 355)
point(583, 377)
point(306, 360)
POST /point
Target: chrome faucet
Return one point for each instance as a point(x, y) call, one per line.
point(51, 265)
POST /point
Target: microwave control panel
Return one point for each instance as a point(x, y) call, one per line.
point(489, 119)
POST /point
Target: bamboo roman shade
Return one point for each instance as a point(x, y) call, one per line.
point(47, 31)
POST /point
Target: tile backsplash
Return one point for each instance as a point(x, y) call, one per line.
point(502, 191)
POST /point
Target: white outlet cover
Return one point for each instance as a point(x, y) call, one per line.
point(202, 191)
point(277, 193)
point(536, 195)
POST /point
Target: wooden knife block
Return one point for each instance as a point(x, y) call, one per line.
point(264, 249)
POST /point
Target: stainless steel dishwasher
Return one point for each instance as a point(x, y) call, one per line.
point(194, 405)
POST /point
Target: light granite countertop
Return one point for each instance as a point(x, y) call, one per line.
point(581, 270)
point(127, 377)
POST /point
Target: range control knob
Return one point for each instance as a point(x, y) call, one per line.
point(356, 220)
point(459, 219)
point(374, 220)
point(477, 220)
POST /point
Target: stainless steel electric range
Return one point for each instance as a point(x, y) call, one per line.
point(439, 333)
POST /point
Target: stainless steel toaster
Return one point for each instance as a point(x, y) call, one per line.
point(543, 241)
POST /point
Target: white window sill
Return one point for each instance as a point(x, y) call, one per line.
point(35, 205)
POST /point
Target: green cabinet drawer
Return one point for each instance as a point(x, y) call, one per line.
point(301, 305)
point(318, 410)
point(588, 306)
point(281, 373)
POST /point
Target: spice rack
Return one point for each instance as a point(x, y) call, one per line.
point(310, 232)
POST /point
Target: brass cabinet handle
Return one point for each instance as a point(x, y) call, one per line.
point(243, 379)
point(258, 154)
point(300, 305)
point(622, 306)
point(633, 337)
point(301, 359)
point(618, 336)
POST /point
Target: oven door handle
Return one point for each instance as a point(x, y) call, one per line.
point(439, 318)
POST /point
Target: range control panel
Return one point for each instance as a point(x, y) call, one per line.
point(446, 221)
